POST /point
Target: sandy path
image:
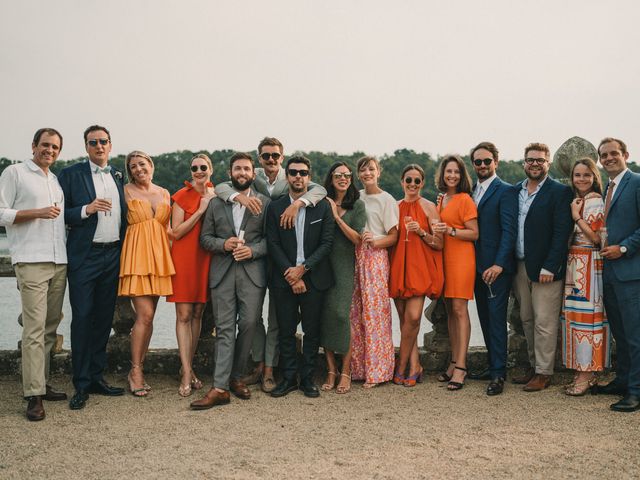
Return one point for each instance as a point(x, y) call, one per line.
point(388, 432)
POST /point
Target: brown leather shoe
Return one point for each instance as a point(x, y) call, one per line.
point(35, 409)
point(525, 377)
point(54, 396)
point(537, 383)
point(211, 399)
point(239, 389)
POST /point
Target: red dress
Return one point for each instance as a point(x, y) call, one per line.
point(191, 261)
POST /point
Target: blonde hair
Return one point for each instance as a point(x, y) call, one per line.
point(132, 155)
point(206, 158)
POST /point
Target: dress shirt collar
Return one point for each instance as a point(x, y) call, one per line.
point(618, 177)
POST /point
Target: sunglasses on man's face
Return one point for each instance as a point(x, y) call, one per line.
point(486, 161)
point(294, 173)
point(203, 168)
point(102, 141)
point(266, 156)
point(416, 180)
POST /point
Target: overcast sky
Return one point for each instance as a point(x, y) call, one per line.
point(341, 76)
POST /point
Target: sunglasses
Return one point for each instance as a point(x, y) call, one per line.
point(102, 141)
point(531, 161)
point(485, 161)
point(294, 173)
point(266, 156)
point(339, 175)
point(409, 180)
point(203, 168)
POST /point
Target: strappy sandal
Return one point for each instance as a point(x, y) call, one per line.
point(341, 389)
point(196, 384)
point(136, 392)
point(329, 386)
point(578, 389)
point(184, 390)
point(444, 376)
point(411, 380)
point(453, 386)
point(369, 386)
point(398, 378)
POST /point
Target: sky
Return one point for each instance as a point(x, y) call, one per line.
point(328, 75)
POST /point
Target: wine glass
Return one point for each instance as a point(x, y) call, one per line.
point(108, 212)
point(491, 294)
point(407, 220)
point(434, 223)
point(603, 236)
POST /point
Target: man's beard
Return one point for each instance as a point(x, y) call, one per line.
point(295, 189)
point(241, 186)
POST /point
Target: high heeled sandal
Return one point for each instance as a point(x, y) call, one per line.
point(578, 389)
point(411, 380)
point(329, 386)
point(444, 376)
point(136, 392)
point(341, 389)
point(196, 383)
point(398, 378)
point(185, 390)
point(453, 386)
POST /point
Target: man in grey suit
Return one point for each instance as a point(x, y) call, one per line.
point(621, 273)
point(271, 181)
point(238, 280)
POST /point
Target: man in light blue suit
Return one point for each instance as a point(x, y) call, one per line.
point(621, 275)
point(497, 203)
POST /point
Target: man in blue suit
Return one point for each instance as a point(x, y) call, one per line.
point(495, 262)
point(96, 214)
point(621, 274)
point(542, 243)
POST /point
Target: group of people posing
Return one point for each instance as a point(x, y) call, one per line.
point(330, 257)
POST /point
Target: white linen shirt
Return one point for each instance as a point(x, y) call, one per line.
point(24, 186)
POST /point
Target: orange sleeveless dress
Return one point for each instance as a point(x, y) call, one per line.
point(416, 269)
point(145, 264)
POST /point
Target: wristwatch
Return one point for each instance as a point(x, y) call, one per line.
point(306, 268)
point(453, 232)
point(623, 249)
point(424, 234)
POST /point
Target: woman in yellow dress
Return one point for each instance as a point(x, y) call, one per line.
point(145, 266)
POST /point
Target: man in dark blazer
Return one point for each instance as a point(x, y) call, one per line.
point(544, 227)
point(621, 274)
point(96, 215)
point(238, 281)
point(300, 276)
point(497, 203)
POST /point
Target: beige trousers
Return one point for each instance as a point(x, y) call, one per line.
point(540, 305)
point(42, 287)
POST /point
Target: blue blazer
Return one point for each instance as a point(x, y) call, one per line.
point(77, 185)
point(547, 229)
point(623, 227)
point(498, 225)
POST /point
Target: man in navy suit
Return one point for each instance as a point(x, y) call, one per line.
point(300, 276)
point(96, 214)
point(495, 262)
point(542, 243)
point(621, 274)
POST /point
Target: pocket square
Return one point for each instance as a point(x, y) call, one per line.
point(315, 221)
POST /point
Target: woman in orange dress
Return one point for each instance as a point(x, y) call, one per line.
point(190, 283)
point(416, 270)
point(460, 226)
point(145, 265)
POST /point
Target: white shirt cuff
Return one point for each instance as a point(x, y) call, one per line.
point(7, 216)
point(545, 272)
point(305, 201)
point(83, 212)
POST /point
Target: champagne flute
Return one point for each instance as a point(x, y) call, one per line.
point(491, 294)
point(407, 220)
point(602, 233)
point(434, 223)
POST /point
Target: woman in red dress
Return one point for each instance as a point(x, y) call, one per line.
point(190, 283)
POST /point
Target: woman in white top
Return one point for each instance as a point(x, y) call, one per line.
point(371, 342)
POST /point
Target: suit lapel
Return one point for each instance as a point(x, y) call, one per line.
point(88, 180)
point(120, 186)
point(545, 186)
point(623, 183)
point(491, 189)
point(228, 210)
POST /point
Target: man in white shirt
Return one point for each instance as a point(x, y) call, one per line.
point(31, 201)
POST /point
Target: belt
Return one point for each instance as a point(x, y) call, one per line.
point(105, 245)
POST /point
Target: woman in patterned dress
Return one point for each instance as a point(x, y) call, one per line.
point(585, 330)
point(372, 353)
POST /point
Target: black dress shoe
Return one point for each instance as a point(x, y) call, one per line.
point(481, 375)
point(79, 400)
point(35, 409)
point(309, 388)
point(284, 387)
point(496, 386)
point(53, 396)
point(103, 388)
point(612, 388)
point(630, 403)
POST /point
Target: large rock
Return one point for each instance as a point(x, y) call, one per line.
point(573, 149)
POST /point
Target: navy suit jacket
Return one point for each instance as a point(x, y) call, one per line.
point(77, 185)
point(498, 226)
point(547, 229)
point(318, 239)
point(623, 227)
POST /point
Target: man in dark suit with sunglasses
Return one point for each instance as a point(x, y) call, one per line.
point(96, 215)
point(300, 276)
point(495, 261)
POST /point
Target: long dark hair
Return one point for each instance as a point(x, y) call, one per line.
point(465, 180)
point(350, 196)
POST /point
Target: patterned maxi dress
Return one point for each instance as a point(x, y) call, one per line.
point(585, 330)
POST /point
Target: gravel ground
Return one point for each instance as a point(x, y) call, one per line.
point(386, 432)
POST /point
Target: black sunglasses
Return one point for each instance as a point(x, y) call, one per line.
point(294, 173)
point(479, 161)
point(102, 141)
point(408, 181)
point(266, 156)
point(203, 168)
point(531, 161)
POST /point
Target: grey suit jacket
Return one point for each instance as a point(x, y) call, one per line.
point(217, 227)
